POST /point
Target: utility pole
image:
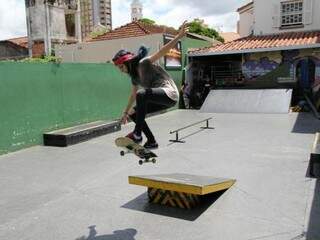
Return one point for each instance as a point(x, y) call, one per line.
point(78, 22)
point(47, 32)
point(28, 20)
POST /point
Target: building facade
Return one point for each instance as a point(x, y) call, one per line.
point(95, 13)
point(261, 17)
point(136, 10)
point(105, 16)
point(14, 49)
point(246, 20)
point(52, 22)
point(86, 18)
point(279, 48)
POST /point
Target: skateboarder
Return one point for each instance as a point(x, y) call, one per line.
point(152, 87)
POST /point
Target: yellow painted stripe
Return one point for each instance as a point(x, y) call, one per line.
point(152, 192)
point(176, 198)
point(157, 198)
point(168, 199)
point(217, 187)
point(186, 202)
point(178, 187)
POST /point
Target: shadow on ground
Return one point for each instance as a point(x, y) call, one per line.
point(141, 203)
point(126, 234)
point(313, 232)
point(306, 123)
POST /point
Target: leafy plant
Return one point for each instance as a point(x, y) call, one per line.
point(98, 31)
point(147, 21)
point(44, 59)
point(199, 27)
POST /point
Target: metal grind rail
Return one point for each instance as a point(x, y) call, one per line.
point(177, 140)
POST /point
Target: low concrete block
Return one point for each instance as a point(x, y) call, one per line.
point(80, 133)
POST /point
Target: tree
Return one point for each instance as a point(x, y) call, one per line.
point(98, 31)
point(199, 27)
point(147, 21)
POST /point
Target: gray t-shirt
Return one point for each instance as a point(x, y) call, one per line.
point(154, 76)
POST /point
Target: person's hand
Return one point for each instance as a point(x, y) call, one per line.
point(124, 118)
point(183, 29)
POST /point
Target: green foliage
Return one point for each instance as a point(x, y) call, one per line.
point(147, 21)
point(98, 32)
point(199, 27)
point(44, 59)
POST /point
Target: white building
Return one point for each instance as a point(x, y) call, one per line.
point(136, 10)
point(279, 48)
point(52, 22)
point(261, 17)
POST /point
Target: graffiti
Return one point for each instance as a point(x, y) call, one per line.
point(289, 56)
point(253, 68)
point(316, 85)
point(284, 67)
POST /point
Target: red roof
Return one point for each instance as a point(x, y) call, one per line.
point(263, 43)
point(134, 29)
point(21, 41)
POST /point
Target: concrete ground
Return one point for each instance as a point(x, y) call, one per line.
point(82, 192)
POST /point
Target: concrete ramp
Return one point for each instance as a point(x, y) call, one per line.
point(248, 101)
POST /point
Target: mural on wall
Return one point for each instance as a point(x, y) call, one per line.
point(284, 68)
point(256, 65)
point(252, 69)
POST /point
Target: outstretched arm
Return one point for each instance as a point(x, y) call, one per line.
point(163, 51)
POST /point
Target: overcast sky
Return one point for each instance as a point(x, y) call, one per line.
point(217, 13)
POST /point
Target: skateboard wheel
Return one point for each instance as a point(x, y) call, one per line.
point(122, 153)
point(154, 160)
point(140, 162)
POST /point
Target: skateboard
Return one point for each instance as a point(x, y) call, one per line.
point(145, 155)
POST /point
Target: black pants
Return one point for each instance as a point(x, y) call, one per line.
point(149, 101)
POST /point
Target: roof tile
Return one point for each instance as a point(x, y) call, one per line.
point(265, 41)
point(134, 29)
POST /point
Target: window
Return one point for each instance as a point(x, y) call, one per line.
point(291, 13)
point(70, 25)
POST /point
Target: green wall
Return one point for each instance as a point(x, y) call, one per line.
point(186, 44)
point(36, 98)
point(40, 97)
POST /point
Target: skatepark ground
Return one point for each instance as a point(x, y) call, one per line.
point(82, 192)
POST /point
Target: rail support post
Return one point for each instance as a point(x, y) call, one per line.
point(177, 138)
point(207, 125)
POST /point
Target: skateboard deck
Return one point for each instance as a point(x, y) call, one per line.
point(130, 146)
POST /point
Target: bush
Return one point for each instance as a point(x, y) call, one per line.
point(44, 59)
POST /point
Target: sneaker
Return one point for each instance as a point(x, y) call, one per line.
point(151, 145)
point(134, 137)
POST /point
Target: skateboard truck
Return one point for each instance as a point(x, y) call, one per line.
point(141, 161)
point(130, 146)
